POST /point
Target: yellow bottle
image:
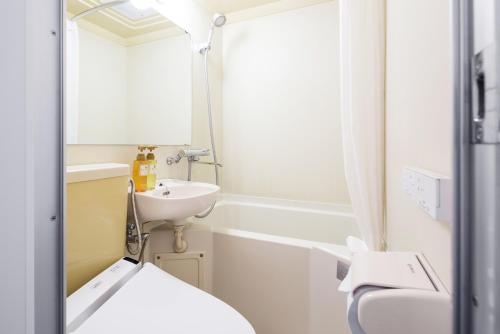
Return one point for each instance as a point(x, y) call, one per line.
point(152, 167)
point(140, 171)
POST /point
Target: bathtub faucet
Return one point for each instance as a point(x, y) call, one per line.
point(192, 155)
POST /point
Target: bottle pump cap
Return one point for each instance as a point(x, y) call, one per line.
point(151, 155)
point(140, 155)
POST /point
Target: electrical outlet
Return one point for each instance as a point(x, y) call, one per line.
point(431, 192)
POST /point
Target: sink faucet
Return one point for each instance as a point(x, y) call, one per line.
point(165, 192)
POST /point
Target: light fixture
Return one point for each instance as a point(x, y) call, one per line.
point(141, 4)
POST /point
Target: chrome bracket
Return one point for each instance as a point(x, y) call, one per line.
point(485, 118)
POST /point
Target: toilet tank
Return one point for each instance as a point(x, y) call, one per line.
point(96, 215)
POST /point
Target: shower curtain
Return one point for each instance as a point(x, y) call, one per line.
point(362, 60)
point(72, 78)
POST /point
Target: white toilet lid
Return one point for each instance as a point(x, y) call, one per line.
point(154, 302)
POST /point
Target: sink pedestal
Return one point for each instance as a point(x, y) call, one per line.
point(180, 245)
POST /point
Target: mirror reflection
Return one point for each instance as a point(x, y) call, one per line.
point(128, 77)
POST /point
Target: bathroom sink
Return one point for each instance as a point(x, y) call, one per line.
point(175, 200)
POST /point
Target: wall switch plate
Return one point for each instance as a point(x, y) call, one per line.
point(431, 192)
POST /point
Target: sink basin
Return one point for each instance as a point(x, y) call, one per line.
point(175, 200)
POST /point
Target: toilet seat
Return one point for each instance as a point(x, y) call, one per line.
point(153, 301)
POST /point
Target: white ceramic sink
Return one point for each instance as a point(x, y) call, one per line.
point(175, 200)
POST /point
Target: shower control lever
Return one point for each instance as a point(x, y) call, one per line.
point(195, 154)
point(190, 154)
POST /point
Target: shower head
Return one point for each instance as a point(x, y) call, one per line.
point(219, 20)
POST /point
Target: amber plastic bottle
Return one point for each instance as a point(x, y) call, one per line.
point(151, 183)
point(140, 171)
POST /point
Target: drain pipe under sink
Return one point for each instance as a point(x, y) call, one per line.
point(180, 245)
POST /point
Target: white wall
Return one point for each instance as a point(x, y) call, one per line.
point(102, 89)
point(419, 121)
point(159, 92)
point(281, 120)
point(134, 94)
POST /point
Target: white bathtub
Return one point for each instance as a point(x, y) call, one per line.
point(322, 222)
point(275, 261)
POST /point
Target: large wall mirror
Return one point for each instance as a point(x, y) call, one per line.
point(128, 77)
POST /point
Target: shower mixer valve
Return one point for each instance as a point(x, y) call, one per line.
point(190, 154)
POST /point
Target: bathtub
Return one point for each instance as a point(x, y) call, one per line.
point(275, 261)
point(321, 222)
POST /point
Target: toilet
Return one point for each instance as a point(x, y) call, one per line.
point(110, 293)
point(405, 296)
point(132, 298)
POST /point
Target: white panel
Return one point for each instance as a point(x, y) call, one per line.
point(430, 191)
point(268, 282)
point(31, 289)
point(419, 120)
point(189, 267)
point(79, 173)
point(281, 106)
point(14, 297)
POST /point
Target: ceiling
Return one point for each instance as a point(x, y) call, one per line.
point(123, 20)
point(127, 22)
point(229, 6)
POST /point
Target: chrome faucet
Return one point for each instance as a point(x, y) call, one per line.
point(192, 155)
point(166, 191)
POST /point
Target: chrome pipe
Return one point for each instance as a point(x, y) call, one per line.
point(208, 163)
point(212, 138)
point(145, 238)
point(135, 225)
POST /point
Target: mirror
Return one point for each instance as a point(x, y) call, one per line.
point(128, 78)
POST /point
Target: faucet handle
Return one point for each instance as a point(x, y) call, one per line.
point(190, 154)
point(194, 153)
point(174, 158)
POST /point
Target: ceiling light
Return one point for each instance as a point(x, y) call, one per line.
point(141, 4)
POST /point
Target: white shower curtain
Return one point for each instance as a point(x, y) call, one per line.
point(72, 79)
point(362, 59)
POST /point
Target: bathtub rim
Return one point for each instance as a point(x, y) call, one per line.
point(343, 210)
point(322, 208)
